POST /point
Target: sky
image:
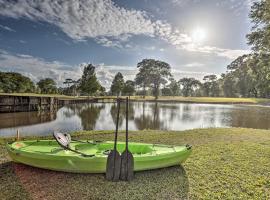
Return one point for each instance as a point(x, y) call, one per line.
point(57, 38)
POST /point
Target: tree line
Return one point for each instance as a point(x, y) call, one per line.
point(246, 76)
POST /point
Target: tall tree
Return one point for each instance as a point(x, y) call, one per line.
point(210, 85)
point(89, 83)
point(189, 85)
point(260, 42)
point(129, 88)
point(102, 91)
point(47, 86)
point(154, 73)
point(15, 82)
point(260, 16)
point(141, 79)
point(174, 87)
point(228, 83)
point(117, 84)
point(69, 82)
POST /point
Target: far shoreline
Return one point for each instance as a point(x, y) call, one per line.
point(163, 99)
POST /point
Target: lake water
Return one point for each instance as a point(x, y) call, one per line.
point(147, 115)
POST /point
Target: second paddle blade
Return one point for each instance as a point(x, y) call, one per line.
point(127, 166)
point(113, 166)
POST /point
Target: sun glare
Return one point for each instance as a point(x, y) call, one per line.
point(198, 35)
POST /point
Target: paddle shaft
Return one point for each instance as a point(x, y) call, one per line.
point(127, 123)
point(83, 154)
point(117, 121)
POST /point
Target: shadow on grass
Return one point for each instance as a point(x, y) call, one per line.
point(167, 183)
point(10, 185)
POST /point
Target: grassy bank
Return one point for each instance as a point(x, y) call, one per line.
point(60, 96)
point(218, 100)
point(225, 164)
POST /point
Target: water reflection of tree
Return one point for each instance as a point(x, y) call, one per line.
point(74, 109)
point(89, 114)
point(69, 112)
point(150, 121)
point(250, 117)
point(170, 109)
point(189, 113)
point(122, 113)
point(8, 120)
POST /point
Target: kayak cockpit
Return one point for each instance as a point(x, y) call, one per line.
point(92, 148)
point(105, 147)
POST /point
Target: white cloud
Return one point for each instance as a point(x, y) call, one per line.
point(228, 53)
point(109, 24)
point(182, 3)
point(178, 74)
point(22, 41)
point(232, 54)
point(194, 64)
point(81, 19)
point(7, 28)
point(38, 68)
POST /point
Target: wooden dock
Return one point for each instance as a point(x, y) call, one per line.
point(27, 103)
point(21, 103)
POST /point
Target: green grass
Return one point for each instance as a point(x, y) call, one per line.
point(207, 99)
point(226, 163)
point(219, 100)
point(43, 95)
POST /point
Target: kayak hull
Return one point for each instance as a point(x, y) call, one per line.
point(47, 154)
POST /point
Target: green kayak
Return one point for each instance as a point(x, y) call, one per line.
point(48, 154)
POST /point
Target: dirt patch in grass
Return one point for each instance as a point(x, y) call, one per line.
point(225, 164)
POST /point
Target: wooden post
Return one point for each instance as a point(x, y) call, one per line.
point(18, 135)
point(29, 106)
point(40, 104)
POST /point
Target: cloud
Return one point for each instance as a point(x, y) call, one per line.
point(182, 3)
point(81, 19)
point(178, 74)
point(22, 41)
point(228, 53)
point(194, 64)
point(105, 22)
point(7, 28)
point(232, 54)
point(38, 68)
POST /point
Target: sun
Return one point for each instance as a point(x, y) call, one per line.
point(198, 35)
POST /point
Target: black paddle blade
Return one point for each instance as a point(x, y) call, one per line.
point(113, 166)
point(127, 166)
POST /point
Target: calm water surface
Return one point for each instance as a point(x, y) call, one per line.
point(148, 115)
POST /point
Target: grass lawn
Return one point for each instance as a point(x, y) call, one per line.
point(226, 163)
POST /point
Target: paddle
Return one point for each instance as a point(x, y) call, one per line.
point(114, 159)
point(64, 141)
point(127, 160)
